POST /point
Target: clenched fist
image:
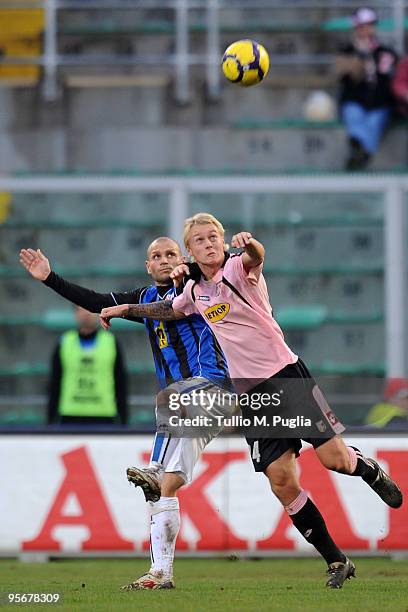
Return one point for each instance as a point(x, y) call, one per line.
point(178, 273)
point(113, 312)
point(241, 240)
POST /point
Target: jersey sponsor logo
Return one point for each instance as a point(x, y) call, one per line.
point(203, 298)
point(217, 312)
point(161, 335)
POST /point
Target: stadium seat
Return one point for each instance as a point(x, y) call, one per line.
point(333, 368)
point(41, 368)
point(354, 294)
point(327, 367)
point(24, 417)
point(141, 416)
point(354, 342)
point(19, 320)
point(64, 319)
point(306, 317)
point(343, 24)
point(116, 80)
point(284, 124)
point(314, 315)
point(9, 272)
point(78, 272)
point(20, 36)
point(25, 369)
point(103, 27)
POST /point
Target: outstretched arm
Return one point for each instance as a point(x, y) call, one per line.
point(37, 264)
point(254, 252)
point(161, 311)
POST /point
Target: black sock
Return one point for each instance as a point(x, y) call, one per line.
point(365, 468)
point(311, 525)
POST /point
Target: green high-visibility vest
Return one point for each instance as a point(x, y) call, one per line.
point(381, 414)
point(88, 382)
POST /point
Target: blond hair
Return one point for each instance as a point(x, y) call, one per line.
point(201, 219)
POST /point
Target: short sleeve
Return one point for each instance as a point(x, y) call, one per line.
point(184, 302)
point(235, 272)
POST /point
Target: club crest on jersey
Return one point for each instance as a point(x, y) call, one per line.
point(217, 312)
point(321, 426)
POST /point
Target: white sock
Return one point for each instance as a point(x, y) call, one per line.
point(164, 527)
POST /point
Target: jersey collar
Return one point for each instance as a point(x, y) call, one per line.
point(196, 273)
point(163, 291)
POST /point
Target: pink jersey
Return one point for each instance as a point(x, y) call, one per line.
point(243, 324)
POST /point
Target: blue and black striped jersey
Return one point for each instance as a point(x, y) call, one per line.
point(185, 347)
point(181, 348)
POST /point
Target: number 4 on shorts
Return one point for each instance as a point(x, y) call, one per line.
point(256, 455)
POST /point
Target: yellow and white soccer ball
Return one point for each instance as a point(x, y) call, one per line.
point(245, 62)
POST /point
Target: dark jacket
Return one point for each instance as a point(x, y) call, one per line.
point(374, 89)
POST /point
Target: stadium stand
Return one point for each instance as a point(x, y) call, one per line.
point(329, 306)
point(325, 252)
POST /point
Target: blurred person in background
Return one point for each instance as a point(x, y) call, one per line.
point(88, 382)
point(393, 410)
point(365, 68)
point(400, 87)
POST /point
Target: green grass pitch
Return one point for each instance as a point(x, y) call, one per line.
point(210, 585)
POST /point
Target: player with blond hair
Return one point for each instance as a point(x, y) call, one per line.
point(231, 295)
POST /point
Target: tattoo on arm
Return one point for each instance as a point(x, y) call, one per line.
point(162, 311)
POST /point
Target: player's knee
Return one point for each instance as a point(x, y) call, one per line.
point(282, 480)
point(337, 461)
point(171, 490)
point(163, 398)
point(163, 409)
point(168, 404)
point(286, 491)
point(172, 482)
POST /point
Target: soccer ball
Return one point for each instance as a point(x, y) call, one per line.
point(245, 62)
point(319, 106)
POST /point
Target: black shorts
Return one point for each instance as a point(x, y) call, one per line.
point(302, 396)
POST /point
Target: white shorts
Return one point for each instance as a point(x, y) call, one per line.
point(181, 453)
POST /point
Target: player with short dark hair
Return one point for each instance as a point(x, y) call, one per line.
point(231, 295)
point(187, 358)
